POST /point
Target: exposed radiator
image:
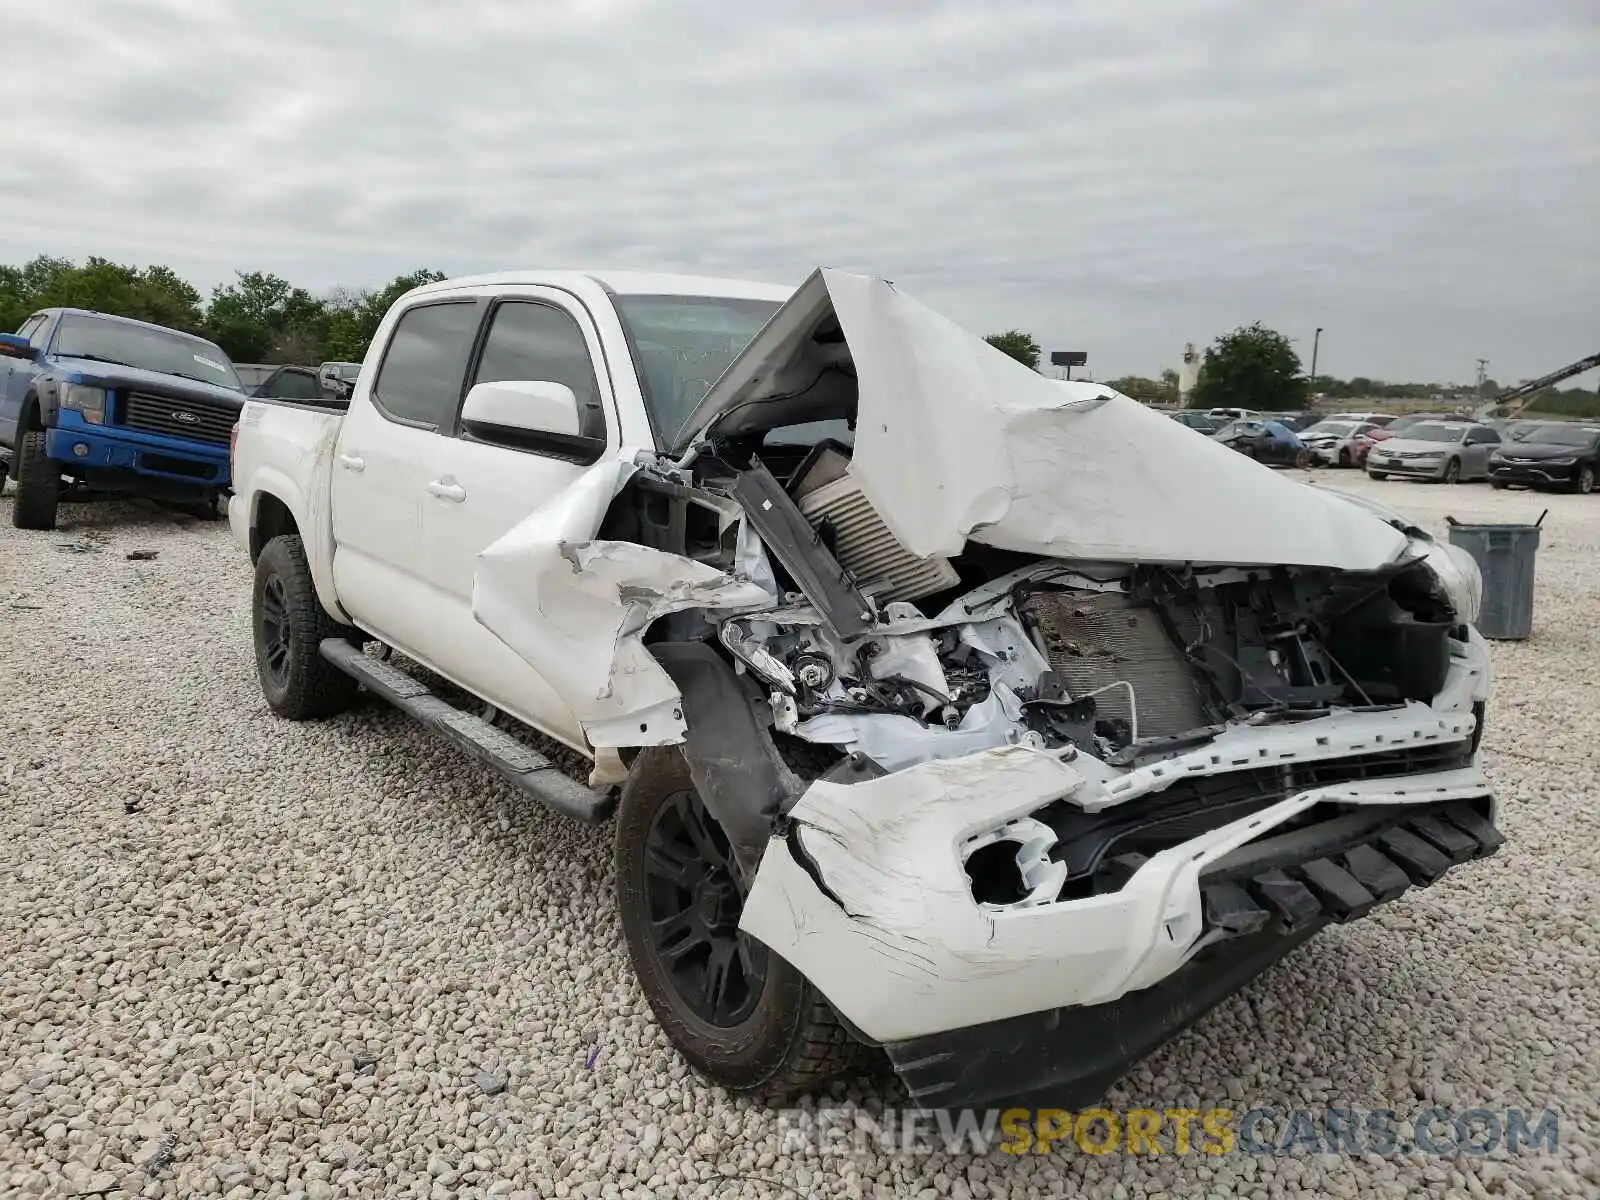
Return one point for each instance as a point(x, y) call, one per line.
point(1092, 641)
point(882, 567)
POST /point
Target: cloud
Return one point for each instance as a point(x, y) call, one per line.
point(1418, 179)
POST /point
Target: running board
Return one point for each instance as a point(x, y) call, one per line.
point(527, 769)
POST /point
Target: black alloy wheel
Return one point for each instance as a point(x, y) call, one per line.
point(277, 636)
point(693, 903)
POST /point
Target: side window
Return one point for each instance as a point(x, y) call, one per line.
point(533, 341)
point(420, 380)
point(34, 329)
point(296, 385)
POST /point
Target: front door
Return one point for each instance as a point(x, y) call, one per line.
point(388, 449)
point(480, 491)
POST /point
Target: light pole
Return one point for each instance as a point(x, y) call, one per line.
point(1316, 342)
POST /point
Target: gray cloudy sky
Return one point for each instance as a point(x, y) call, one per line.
point(1422, 177)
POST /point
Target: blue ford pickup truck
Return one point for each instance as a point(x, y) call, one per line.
point(94, 401)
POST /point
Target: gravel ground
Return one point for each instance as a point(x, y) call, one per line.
point(242, 957)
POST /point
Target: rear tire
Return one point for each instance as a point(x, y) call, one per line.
point(290, 623)
point(38, 484)
point(737, 1012)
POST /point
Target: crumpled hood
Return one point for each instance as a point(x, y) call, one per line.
point(955, 441)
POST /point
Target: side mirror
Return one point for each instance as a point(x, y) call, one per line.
point(517, 406)
point(12, 346)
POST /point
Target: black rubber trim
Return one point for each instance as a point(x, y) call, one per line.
point(1068, 1057)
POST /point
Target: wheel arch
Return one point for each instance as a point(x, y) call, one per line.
point(278, 506)
point(734, 761)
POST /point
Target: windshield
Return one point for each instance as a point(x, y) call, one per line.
point(1559, 435)
point(146, 348)
point(682, 344)
point(1435, 432)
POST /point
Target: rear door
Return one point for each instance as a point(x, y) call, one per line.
point(389, 447)
point(481, 490)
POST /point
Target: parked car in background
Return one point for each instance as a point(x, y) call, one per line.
point(1548, 456)
point(338, 378)
point(1231, 414)
point(1202, 422)
point(1332, 441)
point(291, 382)
point(1362, 445)
point(1270, 442)
point(92, 400)
point(252, 375)
point(1448, 451)
point(1298, 422)
point(1362, 418)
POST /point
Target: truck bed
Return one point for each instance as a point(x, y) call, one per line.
point(285, 449)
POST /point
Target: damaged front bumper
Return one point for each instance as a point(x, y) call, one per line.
point(868, 891)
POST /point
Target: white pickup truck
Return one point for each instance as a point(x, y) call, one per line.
point(996, 722)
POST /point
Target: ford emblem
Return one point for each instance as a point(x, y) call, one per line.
point(185, 416)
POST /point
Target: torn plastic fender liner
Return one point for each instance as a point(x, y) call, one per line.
point(575, 610)
point(742, 780)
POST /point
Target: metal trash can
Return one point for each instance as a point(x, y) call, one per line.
point(1504, 554)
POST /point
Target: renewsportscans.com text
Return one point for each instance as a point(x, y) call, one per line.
point(1175, 1131)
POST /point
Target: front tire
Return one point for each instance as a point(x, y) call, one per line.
point(1377, 475)
point(1499, 485)
point(1452, 471)
point(1585, 484)
point(290, 623)
point(38, 484)
point(736, 1011)
point(1344, 459)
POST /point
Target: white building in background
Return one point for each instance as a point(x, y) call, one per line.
point(1188, 372)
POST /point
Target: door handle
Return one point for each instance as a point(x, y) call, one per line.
point(352, 462)
point(447, 491)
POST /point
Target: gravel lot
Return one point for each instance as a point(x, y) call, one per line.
point(243, 957)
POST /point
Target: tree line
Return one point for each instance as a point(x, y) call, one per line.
point(259, 317)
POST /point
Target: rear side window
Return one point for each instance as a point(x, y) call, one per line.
point(34, 329)
point(532, 341)
point(296, 385)
point(426, 360)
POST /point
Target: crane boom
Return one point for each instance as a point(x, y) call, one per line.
point(1519, 396)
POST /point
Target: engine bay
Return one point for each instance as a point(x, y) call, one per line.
point(899, 658)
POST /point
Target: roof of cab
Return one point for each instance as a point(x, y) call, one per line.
point(622, 283)
point(105, 316)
